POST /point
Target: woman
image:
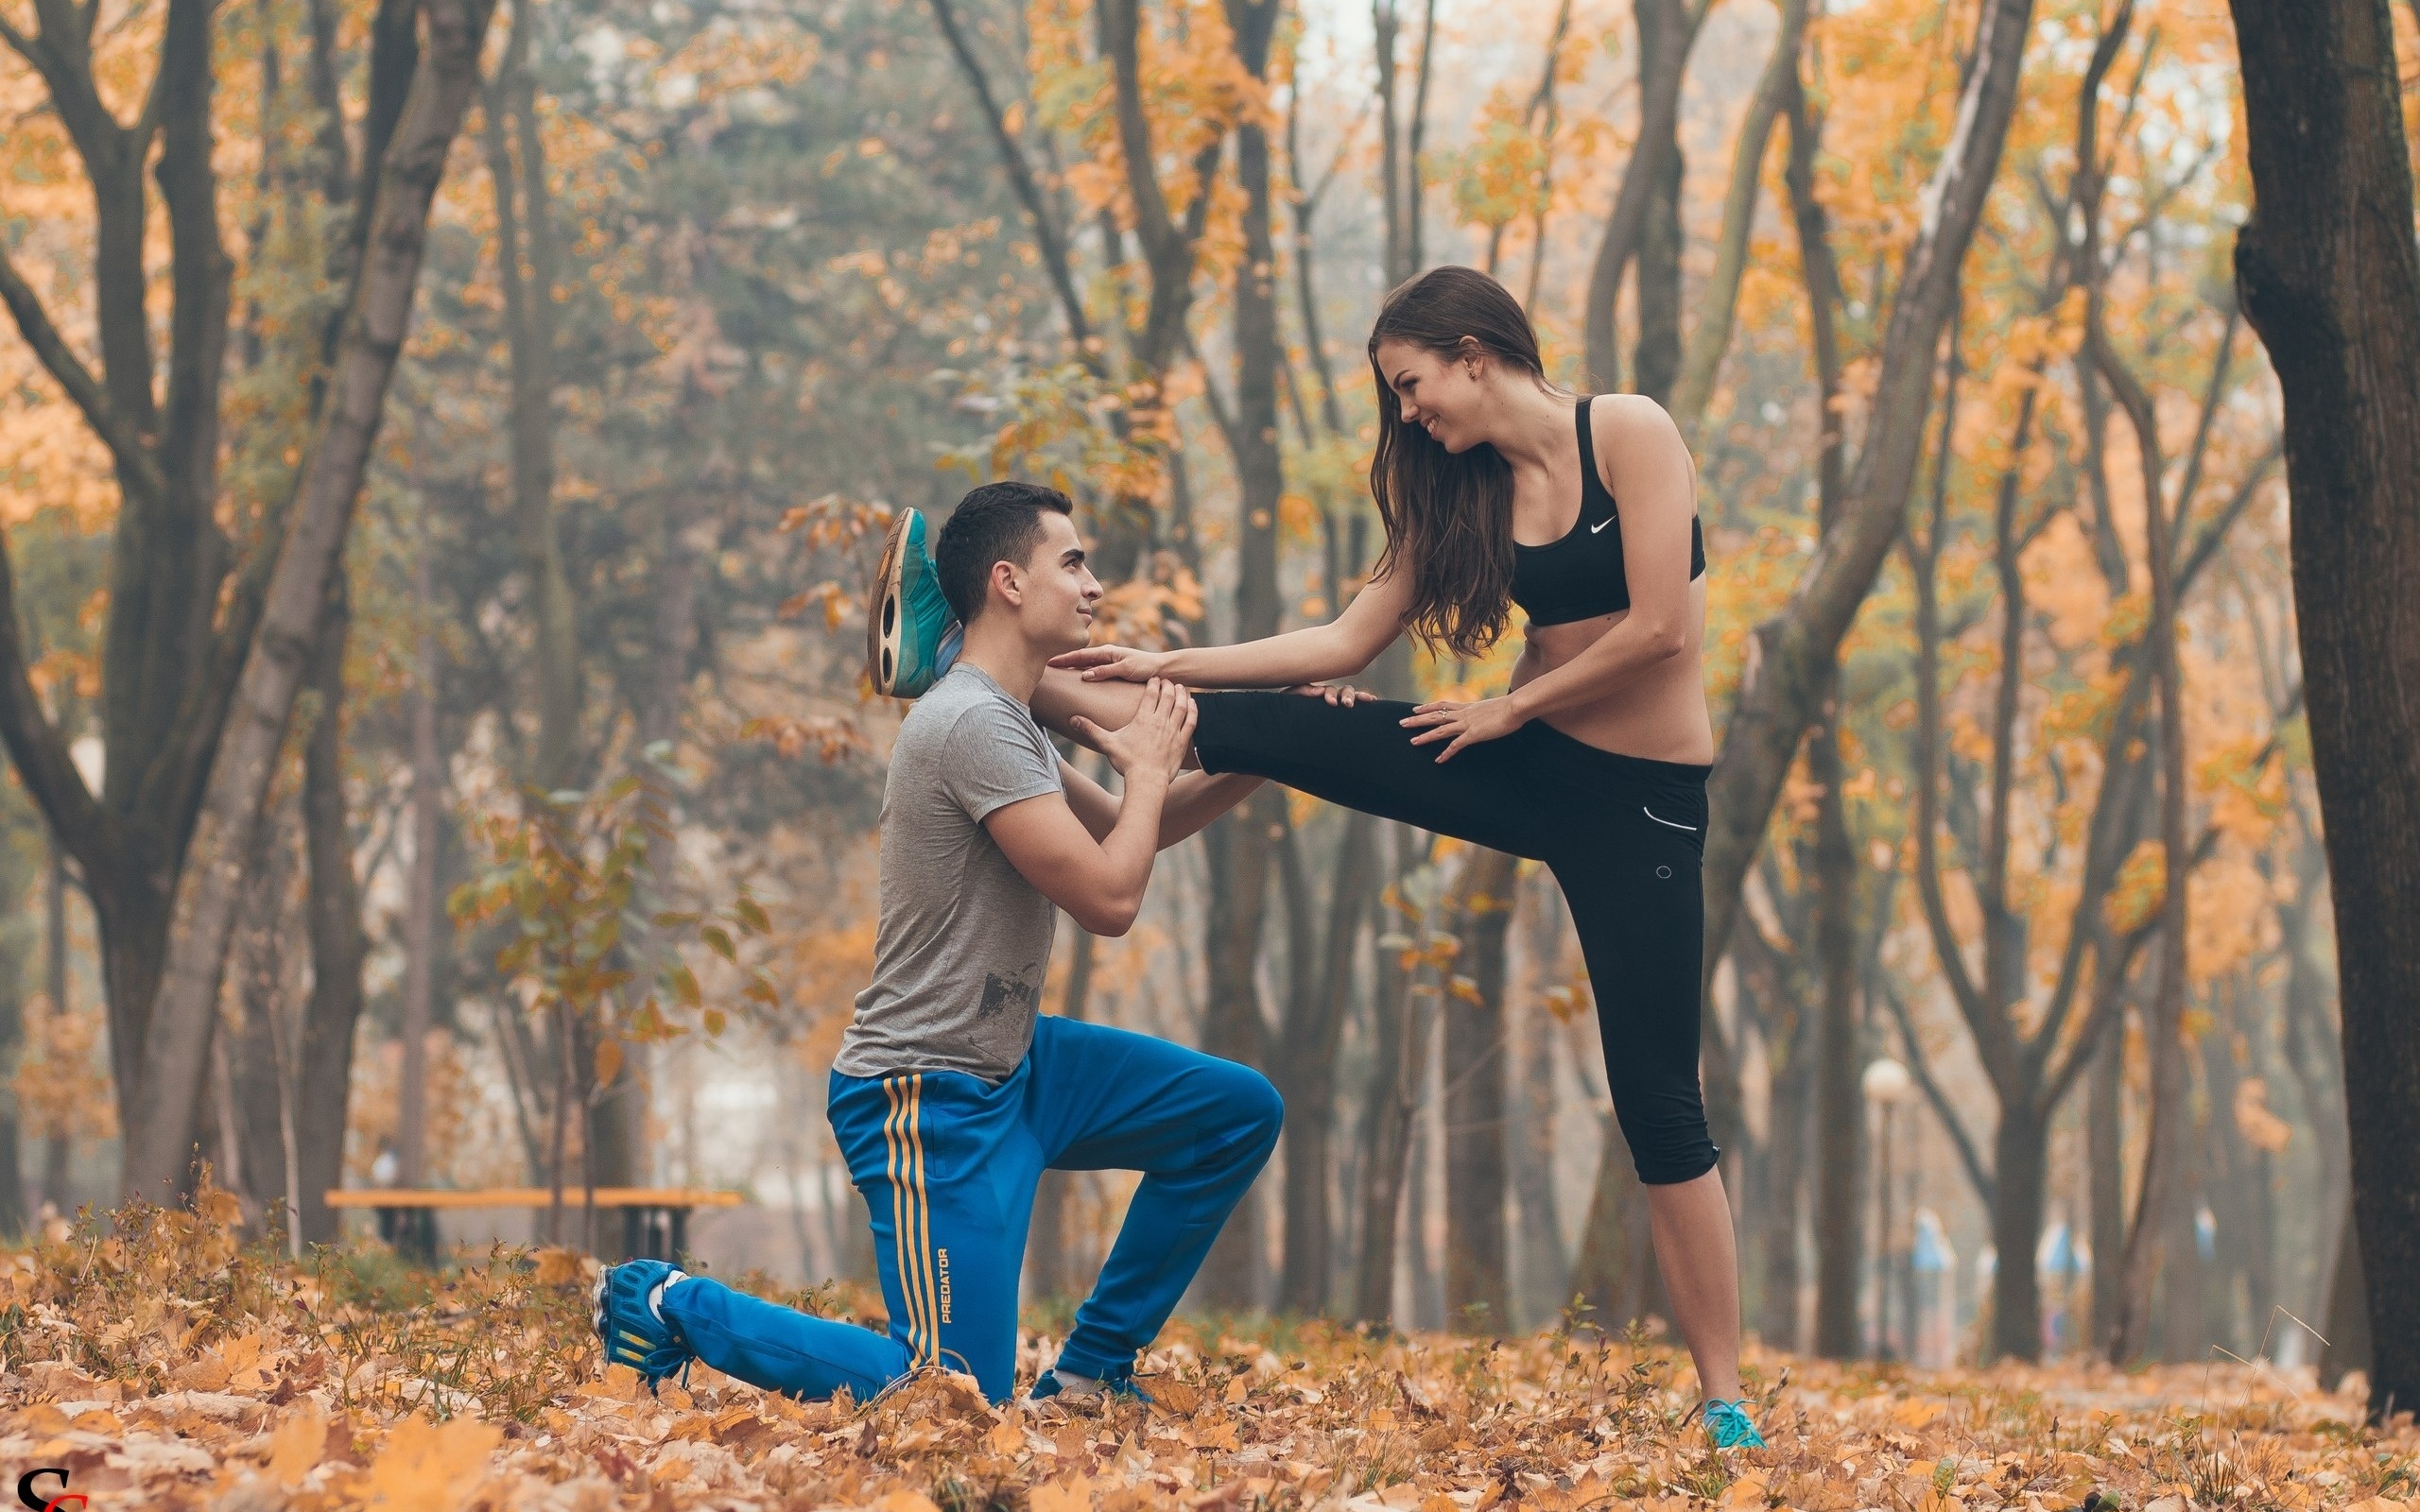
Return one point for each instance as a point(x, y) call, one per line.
point(1495, 489)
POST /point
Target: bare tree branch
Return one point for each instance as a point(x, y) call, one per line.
point(1942, 1108)
point(133, 461)
point(37, 747)
point(1056, 259)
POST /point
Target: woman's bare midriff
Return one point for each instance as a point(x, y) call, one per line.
point(1661, 714)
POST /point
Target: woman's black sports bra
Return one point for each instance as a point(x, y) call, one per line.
point(1582, 576)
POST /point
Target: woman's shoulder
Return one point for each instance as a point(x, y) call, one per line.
point(1632, 417)
point(1635, 441)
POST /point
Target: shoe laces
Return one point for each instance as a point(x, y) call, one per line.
point(1729, 1424)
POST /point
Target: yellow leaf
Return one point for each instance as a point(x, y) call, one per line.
point(300, 1442)
point(430, 1466)
point(1915, 1412)
point(1062, 1496)
point(1004, 1438)
point(609, 1060)
point(905, 1502)
point(558, 1267)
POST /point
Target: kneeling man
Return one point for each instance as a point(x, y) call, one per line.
point(950, 1096)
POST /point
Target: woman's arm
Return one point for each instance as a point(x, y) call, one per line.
point(1648, 467)
point(1341, 648)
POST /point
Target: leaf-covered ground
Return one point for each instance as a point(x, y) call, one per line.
point(162, 1364)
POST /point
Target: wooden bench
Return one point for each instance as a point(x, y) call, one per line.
point(655, 1220)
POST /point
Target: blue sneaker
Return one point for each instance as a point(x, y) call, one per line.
point(1728, 1425)
point(1084, 1388)
point(632, 1332)
point(911, 637)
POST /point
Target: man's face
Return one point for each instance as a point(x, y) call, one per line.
point(1053, 594)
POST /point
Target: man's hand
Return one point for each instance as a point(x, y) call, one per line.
point(1155, 741)
point(1112, 663)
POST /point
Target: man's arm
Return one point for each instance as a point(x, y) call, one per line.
point(1100, 881)
point(1194, 799)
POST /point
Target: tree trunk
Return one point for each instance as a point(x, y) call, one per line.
point(1839, 1107)
point(1789, 665)
point(2105, 1154)
point(421, 889)
point(1397, 1070)
point(255, 1025)
point(1666, 30)
point(1427, 1283)
point(1242, 846)
point(1784, 1195)
point(176, 1046)
point(1614, 1273)
point(338, 947)
point(14, 1210)
point(526, 231)
point(2020, 1167)
point(1477, 1282)
point(1306, 1071)
point(2168, 1180)
point(2330, 277)
point(1544, 1282)
point(1655, 362)
point(1239, 851)
point(2348, 1313)
point(55, 1148)
point(1711, 336)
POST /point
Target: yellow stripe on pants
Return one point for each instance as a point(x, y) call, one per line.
point(923, 1221)
point(902, 1220)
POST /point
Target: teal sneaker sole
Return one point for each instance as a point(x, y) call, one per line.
point(910, 637)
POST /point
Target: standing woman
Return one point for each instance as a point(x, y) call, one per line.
point(1496, 488)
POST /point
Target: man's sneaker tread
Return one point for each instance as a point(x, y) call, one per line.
point(911, 637)
point(631, 1332)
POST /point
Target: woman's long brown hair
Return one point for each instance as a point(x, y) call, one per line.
point(1449, 519)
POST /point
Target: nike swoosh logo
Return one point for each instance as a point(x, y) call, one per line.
point(1600, 524)
point(1667, 823)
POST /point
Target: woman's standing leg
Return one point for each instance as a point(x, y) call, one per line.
point(1691, 1222)
point(1636, 902)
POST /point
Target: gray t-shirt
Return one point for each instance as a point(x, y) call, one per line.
point(964, 940)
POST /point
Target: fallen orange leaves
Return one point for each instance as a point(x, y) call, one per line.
point(165, 1366)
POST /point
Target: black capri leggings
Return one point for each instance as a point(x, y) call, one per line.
point(1623, 835)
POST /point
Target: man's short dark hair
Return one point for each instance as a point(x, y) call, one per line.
point(997, 523)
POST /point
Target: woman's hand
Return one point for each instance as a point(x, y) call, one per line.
point(1338, 694)
point(1113, 663)
point(1464, 724)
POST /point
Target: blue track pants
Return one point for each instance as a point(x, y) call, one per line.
point(948, 1163)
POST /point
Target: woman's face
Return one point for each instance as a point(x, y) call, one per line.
point(1445, 396)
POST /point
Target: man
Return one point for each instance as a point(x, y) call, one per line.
point(950, 1095)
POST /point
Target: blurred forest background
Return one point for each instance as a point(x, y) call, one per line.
point(2023, 1032)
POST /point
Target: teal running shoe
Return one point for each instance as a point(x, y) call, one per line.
point(632, 1332)
point(1083, 1388)
point(1728, 1425)
point(911, 637)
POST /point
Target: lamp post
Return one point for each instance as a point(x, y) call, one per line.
point(1885, 1083)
